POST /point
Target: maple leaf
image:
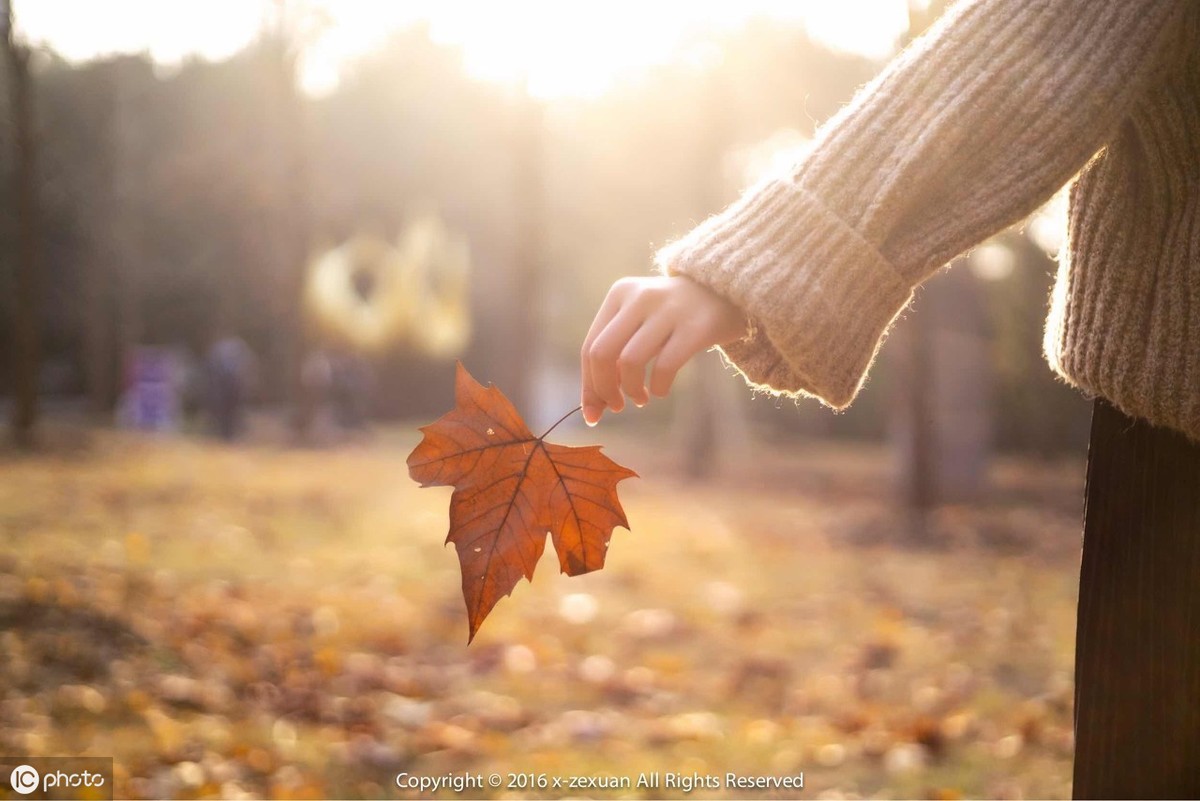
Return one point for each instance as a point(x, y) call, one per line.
point(511, 489)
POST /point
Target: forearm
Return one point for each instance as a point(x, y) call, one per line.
point(966, 132)
point(982, 119)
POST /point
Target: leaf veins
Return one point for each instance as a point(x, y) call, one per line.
point(511, 489)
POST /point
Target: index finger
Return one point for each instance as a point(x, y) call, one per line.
point(592, 403)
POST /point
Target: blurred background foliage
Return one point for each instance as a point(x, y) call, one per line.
point(179, 203)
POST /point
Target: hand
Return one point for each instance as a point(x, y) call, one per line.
point(667, 320)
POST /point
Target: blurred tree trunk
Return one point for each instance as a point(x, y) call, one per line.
point(112, 285)
point(914, 402)
point(127, 238)
point(963, 384)
point(711, 419)
point(25, 308)
point(528, 279)
point(943, 419)
point(98, 336)
point(917, 431)
point(99, 375)
point(289, 226)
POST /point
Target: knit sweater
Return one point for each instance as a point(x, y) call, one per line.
point(967, 131)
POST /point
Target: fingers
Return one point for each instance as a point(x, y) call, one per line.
point(664, 321)
point(682, 346)
point(592, 405)
point(590, 400)
point(645, 344)
point(605, 353)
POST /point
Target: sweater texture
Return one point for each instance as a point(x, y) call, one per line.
point(967, 131)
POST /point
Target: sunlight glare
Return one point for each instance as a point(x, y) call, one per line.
point(167, 31)
point(558, 49)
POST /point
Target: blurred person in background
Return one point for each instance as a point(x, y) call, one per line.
point(316, 378)
point(230, 369)
point(966, 132)
point(350, 389)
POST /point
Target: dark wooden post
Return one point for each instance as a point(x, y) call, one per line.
point(1137, 652)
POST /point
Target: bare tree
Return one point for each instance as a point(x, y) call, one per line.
point(528, 270)
point(289, 226)
point(25, 306)
point(699, 407)
point(916, 408)
point(712, 423)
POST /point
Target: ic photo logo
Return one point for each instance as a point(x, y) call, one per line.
point(24, 779)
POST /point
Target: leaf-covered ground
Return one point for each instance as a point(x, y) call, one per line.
point(260, 621)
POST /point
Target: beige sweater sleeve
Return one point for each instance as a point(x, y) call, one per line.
point(968, 130)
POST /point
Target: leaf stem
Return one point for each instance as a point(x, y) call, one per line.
point(560, 420)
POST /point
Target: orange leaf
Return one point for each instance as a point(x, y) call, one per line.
point(510, 490)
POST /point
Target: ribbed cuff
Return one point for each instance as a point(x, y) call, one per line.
point(819, 296)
